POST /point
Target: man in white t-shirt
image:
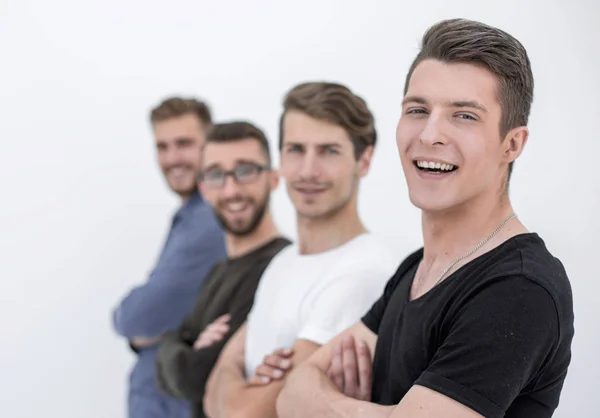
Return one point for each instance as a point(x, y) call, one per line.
point(317, 288)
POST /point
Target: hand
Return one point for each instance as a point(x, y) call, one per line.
point(351, 369)
point(273, 367)
point(213, 333)
point(141, 342)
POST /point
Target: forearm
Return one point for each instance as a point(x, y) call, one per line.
point(309, 392)
point(234, 398)
point(221, 393)
point(184, 370)
point(149, 311)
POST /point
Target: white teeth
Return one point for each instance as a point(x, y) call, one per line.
point(236, 207)
point(434, 165)
point(178, 171)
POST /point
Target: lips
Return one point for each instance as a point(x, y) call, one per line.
point(178, 172)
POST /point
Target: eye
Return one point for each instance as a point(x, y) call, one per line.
point(245, 171)
point(466, 116)
point(213, 175)
point(294, 148)
point(331, 150)
point(416, 111)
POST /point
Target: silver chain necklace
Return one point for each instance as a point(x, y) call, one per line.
point(477, 247)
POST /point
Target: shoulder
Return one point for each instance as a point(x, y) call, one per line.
point(367, 262)
point(519, 279)
point(201, 227)
point(274, 247)
point(524, 262)
point(368, 252)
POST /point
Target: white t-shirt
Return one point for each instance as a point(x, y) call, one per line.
point(317, 296)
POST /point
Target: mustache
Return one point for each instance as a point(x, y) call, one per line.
point(312, 184)
point(235, 199)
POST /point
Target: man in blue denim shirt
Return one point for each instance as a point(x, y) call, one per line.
point(194, 244)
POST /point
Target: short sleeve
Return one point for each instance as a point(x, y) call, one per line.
point(496, 344)
point(341, 303)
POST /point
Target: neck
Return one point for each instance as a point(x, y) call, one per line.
point(266, 231)
point(323, 234)
point(184, 197)
point(450, 234)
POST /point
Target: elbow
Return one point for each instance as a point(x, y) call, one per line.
point(124, 325)
point(119, 323)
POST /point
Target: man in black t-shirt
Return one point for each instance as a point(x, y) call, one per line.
point(237, 180)
point(479, 322)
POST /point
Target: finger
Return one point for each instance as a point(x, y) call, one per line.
point(284, 352)
point(212, 335)
point(270, 372)
point(350, 366)
point(365, 371)
point(258, 381)
point(219, 328)
point(336, 369)
point(223, 319)
point(204, 342)
point(278, 362)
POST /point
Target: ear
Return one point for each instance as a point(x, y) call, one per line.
point(273, 179)
point(364, 161)
point(514, 143)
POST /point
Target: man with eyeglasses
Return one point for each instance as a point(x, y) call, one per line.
point(237, 180)
point(315, 289)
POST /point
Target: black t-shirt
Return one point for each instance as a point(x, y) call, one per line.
point(495, 335)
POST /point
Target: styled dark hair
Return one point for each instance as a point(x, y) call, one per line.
point(336, 104)
point(237, 131)
point(174, 107)
point(471, 42)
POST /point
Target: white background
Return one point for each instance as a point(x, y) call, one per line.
point(84, 207)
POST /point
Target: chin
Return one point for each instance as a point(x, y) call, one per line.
point(430, 202)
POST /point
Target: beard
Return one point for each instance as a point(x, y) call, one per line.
point(246, 228)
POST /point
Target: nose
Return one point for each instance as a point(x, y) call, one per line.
point(310, 166)
point(432, 132)
point(230, 187)
point(171, 157)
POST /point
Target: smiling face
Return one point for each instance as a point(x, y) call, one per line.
point(237, 183)
point(449, 136)
point(319, 166)
point(179, 142)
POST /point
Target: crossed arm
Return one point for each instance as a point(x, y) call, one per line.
point(228, 391)
point(309, 390)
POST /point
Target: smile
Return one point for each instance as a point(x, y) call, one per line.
point(434, 167)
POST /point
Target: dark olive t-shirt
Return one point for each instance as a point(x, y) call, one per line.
point(495, 335)
point(230, 287)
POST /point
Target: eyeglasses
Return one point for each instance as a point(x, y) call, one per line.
point(243, 174)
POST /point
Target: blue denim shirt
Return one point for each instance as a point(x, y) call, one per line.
point(194, 244)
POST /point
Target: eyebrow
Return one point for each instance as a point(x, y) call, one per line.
point(238, 162)
point(458, 103)
point(322, 145)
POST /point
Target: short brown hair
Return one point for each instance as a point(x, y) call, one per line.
point(237, 131)
point(336, 104)
point(471, 42)
point(174, 107)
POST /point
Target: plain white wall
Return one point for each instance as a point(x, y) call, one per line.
point(84, 208)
